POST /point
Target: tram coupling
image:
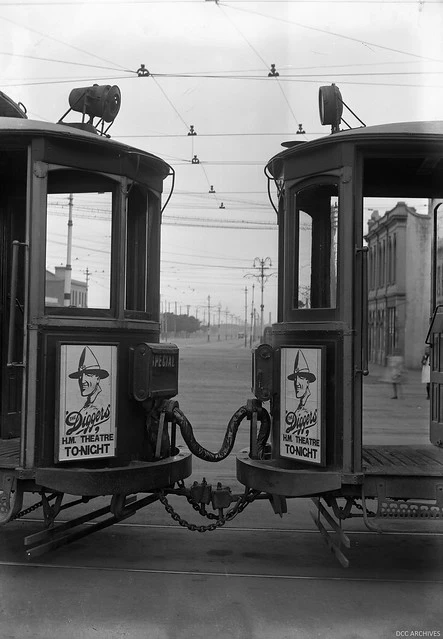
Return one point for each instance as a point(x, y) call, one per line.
point(219, 497)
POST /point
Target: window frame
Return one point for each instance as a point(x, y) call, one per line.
point(115, 184)
point(291, 240)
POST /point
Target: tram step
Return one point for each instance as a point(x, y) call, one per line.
point(64, 533)
point(335, 541)
point(401, 509)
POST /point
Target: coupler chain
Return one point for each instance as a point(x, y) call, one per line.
point(31, 509)
point(221, 519)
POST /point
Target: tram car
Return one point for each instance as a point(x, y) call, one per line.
point(313, 366)
point(83, 375)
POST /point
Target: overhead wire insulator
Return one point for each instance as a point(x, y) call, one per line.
point(301, 130)
point(192, 130)
point(222, 206)
point(211, 190)
point(142, 72)
point(195, 160)
point(273, 72)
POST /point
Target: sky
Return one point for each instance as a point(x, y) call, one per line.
point(208, 66)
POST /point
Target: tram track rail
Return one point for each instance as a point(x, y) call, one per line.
point(262, 529)
point(220, 573)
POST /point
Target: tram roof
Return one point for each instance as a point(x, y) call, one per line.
point(26, 128)
point(395, 132)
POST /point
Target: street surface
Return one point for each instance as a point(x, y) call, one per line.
point(260, 576)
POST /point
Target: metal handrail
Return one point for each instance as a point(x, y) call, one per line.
point(12, 304)
point(364, 311)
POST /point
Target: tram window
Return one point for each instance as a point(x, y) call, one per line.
point(136, 250)
point(316, 227)
point(79, 235)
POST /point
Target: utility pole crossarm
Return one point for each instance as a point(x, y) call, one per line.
point(262, 264)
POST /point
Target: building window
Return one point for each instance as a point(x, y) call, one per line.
point(371, 334)
point(379, 265)
point(374, 267)
point(392, 330)
point(383, 262)
point(389, 260)
point(394, 259)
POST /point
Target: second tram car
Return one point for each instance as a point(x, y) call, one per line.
point(312, 370)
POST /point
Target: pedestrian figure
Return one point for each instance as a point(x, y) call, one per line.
point(396, 374)
point(426, 370)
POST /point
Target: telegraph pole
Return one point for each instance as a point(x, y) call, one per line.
point(209, 318)
point(87, 286)
point(246, 316)
point(175, 320)
point(262, 264)
point(68, 267)
point(252, 317)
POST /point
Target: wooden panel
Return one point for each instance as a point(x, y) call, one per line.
point(403, 460)
point(9, 453)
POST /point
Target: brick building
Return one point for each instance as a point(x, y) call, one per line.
point(399, 274)
point(55, 287)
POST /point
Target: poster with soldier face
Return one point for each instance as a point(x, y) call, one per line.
point(87, 401)
point(301, 411)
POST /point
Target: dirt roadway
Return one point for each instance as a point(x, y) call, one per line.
point(215, 379)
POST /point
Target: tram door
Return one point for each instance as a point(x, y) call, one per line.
point(12, 229)
point(435, 335)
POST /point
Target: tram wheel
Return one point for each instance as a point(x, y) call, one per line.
point(11, 498)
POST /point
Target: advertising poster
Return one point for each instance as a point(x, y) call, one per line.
point(88, 375)
point(301, 412)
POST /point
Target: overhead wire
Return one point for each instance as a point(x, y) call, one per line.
point(266, 65)
point(204, 257)
point(55, 60)
point(231, 75)
point(299, 79)
point(221, 266)
point(66, 44)
point(250, 227)
point(332, 33)
point(39, 3)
